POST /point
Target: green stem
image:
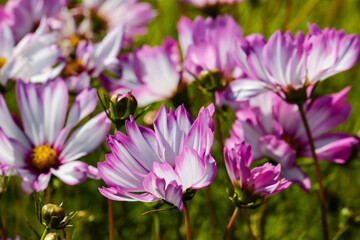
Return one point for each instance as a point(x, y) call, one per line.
point(111, 221)
point(44, 233)
point(157, 226)
point(318, 173)
point(187, 222)
point(231, 222)
point(246, 219)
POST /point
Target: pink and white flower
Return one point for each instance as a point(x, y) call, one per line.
point(163, 164)
point(206, 44)
point(205, 3)
point(250, 185)
point(92, 59)
point(150, 73)
point(111, 13)
point(43, 145)
point(274, 129)
point(286, 63)
point(31, 60)
point(25, 15)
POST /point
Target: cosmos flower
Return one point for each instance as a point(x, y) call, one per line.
point(25, 15)
point(290, 65)
point(206, 44)
point(91, 59)
point(205, 3)
point(151, 73)
point(31, 60)
point(163, 164)
point(42, 145)
point(109, 14)
point(274, 129)
point(251, 185)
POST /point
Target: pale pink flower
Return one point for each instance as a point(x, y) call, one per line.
point(149, 165)
point(274, 129)
point(43, 145)
point(150, 73)
point(206, 3)
point(251, 185)
point(285, 63)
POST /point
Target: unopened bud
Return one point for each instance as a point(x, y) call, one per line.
point(52, 215)
point(122, 106)
point(51, 236)
point(212, 80)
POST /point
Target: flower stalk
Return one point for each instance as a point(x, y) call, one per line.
point(246, 219)
point(318, 173)
point(44, 233)
point(187, 221)
point(111, 220)
point(231, 222)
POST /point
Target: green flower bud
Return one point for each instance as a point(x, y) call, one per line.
point(51, 236)
point(122, 106)
point(212, 80)
point(52, 215)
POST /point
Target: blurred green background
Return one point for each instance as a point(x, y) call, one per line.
point(291, 214)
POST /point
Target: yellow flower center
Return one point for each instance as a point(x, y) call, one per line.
point(74, 67)
point(74, 40)
point(43, 158)
point(2, 62)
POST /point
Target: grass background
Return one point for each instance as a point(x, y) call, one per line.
point(291, 214)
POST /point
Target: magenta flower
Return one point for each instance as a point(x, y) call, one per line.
point(42, 145)
point(251, 185)
point(205, 3)
point(131, 14)
point(275, 130)
point(207, 45)
point(31, 60)
point(285, 63)
point(92, 59)
point(151, 73)
point(25, 15)
point(163, 164)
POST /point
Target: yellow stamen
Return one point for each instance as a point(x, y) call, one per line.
point(43, 158)
point(74, 40)
point(74, 67)
point(2, 62)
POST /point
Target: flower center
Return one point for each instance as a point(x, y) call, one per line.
point(74, 67)
point(74, 40)
point(43, 158)
point(292, 142)
point(2, 62)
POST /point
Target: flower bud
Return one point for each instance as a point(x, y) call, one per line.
point(212, 80)
point(122, 106)
point(52, 215)
point(51, 236)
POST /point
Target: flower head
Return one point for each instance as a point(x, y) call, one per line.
point(290, 65)
point(162, 164)
point(109, 14)
point(91, 59)
point(206, 3)
point(251, 185)
point(31, 59)
point(25, 15)
point(151, 73)
point(274, 129)
point(43, 145)
point(207, 45)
